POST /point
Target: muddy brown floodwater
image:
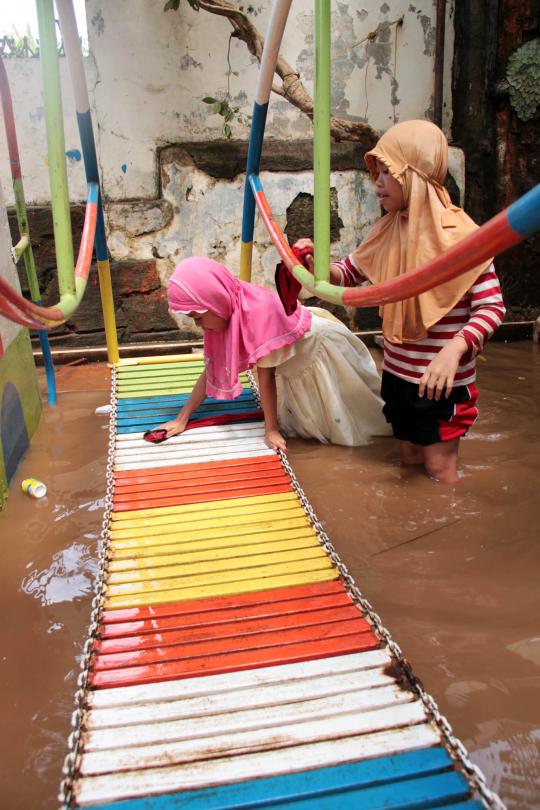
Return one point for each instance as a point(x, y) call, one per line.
point(452, 570)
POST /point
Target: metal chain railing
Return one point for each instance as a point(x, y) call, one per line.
point(456, 748)
point(73, 758)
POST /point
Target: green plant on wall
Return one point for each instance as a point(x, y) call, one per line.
point(523, 76)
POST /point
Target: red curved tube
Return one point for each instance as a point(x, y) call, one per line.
point(51, 316)
point(12, 313)
point(494, 237)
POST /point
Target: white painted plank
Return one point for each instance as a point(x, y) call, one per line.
point(250, 698)
point(148, 756)
point(235, 431)
point(243, 720)
point(227, 770)
point(167, 450)
point(231, 681)
point(144, 464)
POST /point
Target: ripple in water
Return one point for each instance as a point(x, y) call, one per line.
point(71, 574)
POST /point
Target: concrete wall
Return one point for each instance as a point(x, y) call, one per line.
point(148, 72)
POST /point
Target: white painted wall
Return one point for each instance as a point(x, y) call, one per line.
point(149, 70)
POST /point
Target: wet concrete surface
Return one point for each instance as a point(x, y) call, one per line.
point(452, 571)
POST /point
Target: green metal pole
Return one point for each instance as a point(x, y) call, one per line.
point(56, 147)
point(27, 253)
point(321, 140)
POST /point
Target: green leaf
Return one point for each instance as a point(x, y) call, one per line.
point(171, 5)
point(209, 100)
point(216, 108)
point(227, 131)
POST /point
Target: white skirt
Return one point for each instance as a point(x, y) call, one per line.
point(328, 387)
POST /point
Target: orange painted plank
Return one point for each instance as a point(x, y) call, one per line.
point(203, 497)
point(219, 603)
point(233, 629)
point(234, 661)
point(183, 485)
point(190, 470)
point(213, 646)
point(225, 615)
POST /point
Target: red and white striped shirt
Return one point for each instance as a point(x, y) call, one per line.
point(475, 317)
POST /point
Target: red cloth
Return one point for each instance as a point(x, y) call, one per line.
point(224, 419)
point(287, 286)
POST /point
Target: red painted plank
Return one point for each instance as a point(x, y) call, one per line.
point(173, 484)
point(218, 473)
point(234, 661)
point(222, 602)
point(233, 629)
point(225, 615)
point(200, 469)
point(213, 646)
point(223, 494)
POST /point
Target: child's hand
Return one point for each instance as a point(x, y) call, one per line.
point(306, 245)
point(440, 373)
point(173, 428)
point(274, 439)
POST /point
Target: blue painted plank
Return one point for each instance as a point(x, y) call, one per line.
point(139, 427)
point(174, 407)
point(387, 772)
point(243, 407)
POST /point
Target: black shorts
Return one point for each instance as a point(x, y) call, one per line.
point(427, 421)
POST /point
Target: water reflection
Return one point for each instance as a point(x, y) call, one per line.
point(71, 574)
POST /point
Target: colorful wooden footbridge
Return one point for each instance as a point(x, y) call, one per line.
point(232, 661)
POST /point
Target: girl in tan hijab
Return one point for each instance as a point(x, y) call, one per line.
point(431, 340)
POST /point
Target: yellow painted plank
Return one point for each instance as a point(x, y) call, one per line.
point(218, 509)
point(205, 540)
point(164, 577)
point(207, 528)
point(169, 358)
point(250, 585)
point(213, 555)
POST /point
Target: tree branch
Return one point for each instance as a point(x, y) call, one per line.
point(291, 87)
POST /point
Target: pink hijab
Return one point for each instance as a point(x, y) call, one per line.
point(257, 322)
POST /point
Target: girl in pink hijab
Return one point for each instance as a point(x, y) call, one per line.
point(316, 379)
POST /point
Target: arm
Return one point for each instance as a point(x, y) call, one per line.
point(176, 426)
point(268, 392)
point(343, 273)
point(336, 277)
point(487, 313)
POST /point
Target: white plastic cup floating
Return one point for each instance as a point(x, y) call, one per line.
point(34, 488)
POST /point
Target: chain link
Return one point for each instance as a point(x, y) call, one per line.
point(72, 760)
point(455, 747)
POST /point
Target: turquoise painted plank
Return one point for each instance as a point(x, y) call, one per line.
point(179, 398)
point(165, 407)
point(309, 785)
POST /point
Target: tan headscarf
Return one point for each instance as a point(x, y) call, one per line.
point(416, 154)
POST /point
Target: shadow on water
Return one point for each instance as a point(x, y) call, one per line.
point(452, 570)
